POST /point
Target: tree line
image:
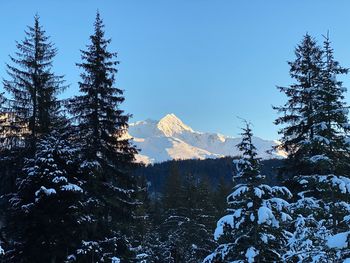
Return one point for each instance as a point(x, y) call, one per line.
point(215, 171)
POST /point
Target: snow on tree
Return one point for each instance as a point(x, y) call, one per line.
point(43, 222)
point(322, 214)
point(308, 241)
point(315, 115)
point(107, 155)
point(188, 212)
point(254, 229)
point(2, 252)
point(30, 108)
point(144, 232)
point(297, 113)
point(315, 138)
point(331, 123)
point(199, 212)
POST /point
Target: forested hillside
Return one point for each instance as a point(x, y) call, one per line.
point(213, 170)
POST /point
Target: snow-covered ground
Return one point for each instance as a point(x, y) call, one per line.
point(169, 138)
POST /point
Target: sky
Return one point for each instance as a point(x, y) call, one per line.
point(206, 61)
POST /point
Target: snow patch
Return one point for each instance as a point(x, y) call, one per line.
point(265, 215)
point(251, 254)
point(228, 219)
point(71, 187)
point(46, 191)
point(338, 241)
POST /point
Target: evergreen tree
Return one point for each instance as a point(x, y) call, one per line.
point(43, 218)
point(308, 242)
point(219, 197)
point(331, 125)
point(144, 234)
point(107, 155)
point(200, 212)
point(321, 225)
point(153, 242)
point(316, 141)
point(173, 217)
point(188, 213)
point(253, 231)
point(33, 107)
point(315, 114)
point(298, 133)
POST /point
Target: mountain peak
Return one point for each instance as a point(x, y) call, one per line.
point(170, 124)
point(169, 138)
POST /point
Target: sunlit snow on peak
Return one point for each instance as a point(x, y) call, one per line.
point(171, 125)
point(169, 138)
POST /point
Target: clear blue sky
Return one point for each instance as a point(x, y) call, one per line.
point(206, 61)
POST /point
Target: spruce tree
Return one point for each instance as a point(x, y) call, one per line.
point(316, 216)
point(331, 125)
point(298, 133)
point(200, 211)
point(315, 115)
point(173, 216)
point(144, 234)
point(254, 229)
point(43, 221)
point(107, 156)
point(219, 197)
point(33, 107)
point(188, 212)
point(319, 159)
point(32, 110)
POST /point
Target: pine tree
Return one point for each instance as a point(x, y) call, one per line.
point(322, 214)
point(151, 249)
point(200, 212)
point(144, 234)
point(253, 231)
point(107, 156)
point(43, 218)
point(298, 133)
point(219, 197)
point(308, 242)
point(188, 213)
point(33, 107)
point(331, 125)
point(316, 141)
point(173, 217)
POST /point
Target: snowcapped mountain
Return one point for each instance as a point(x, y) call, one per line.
point(169, 138)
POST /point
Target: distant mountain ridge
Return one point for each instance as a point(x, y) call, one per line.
point(169, 138)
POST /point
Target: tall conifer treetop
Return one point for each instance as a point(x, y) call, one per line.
point(314, 118)
point(331, 124)
point(315, 135)
point(101, 122)
point(107, 155)
point(33, 106)
point(297, 112)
